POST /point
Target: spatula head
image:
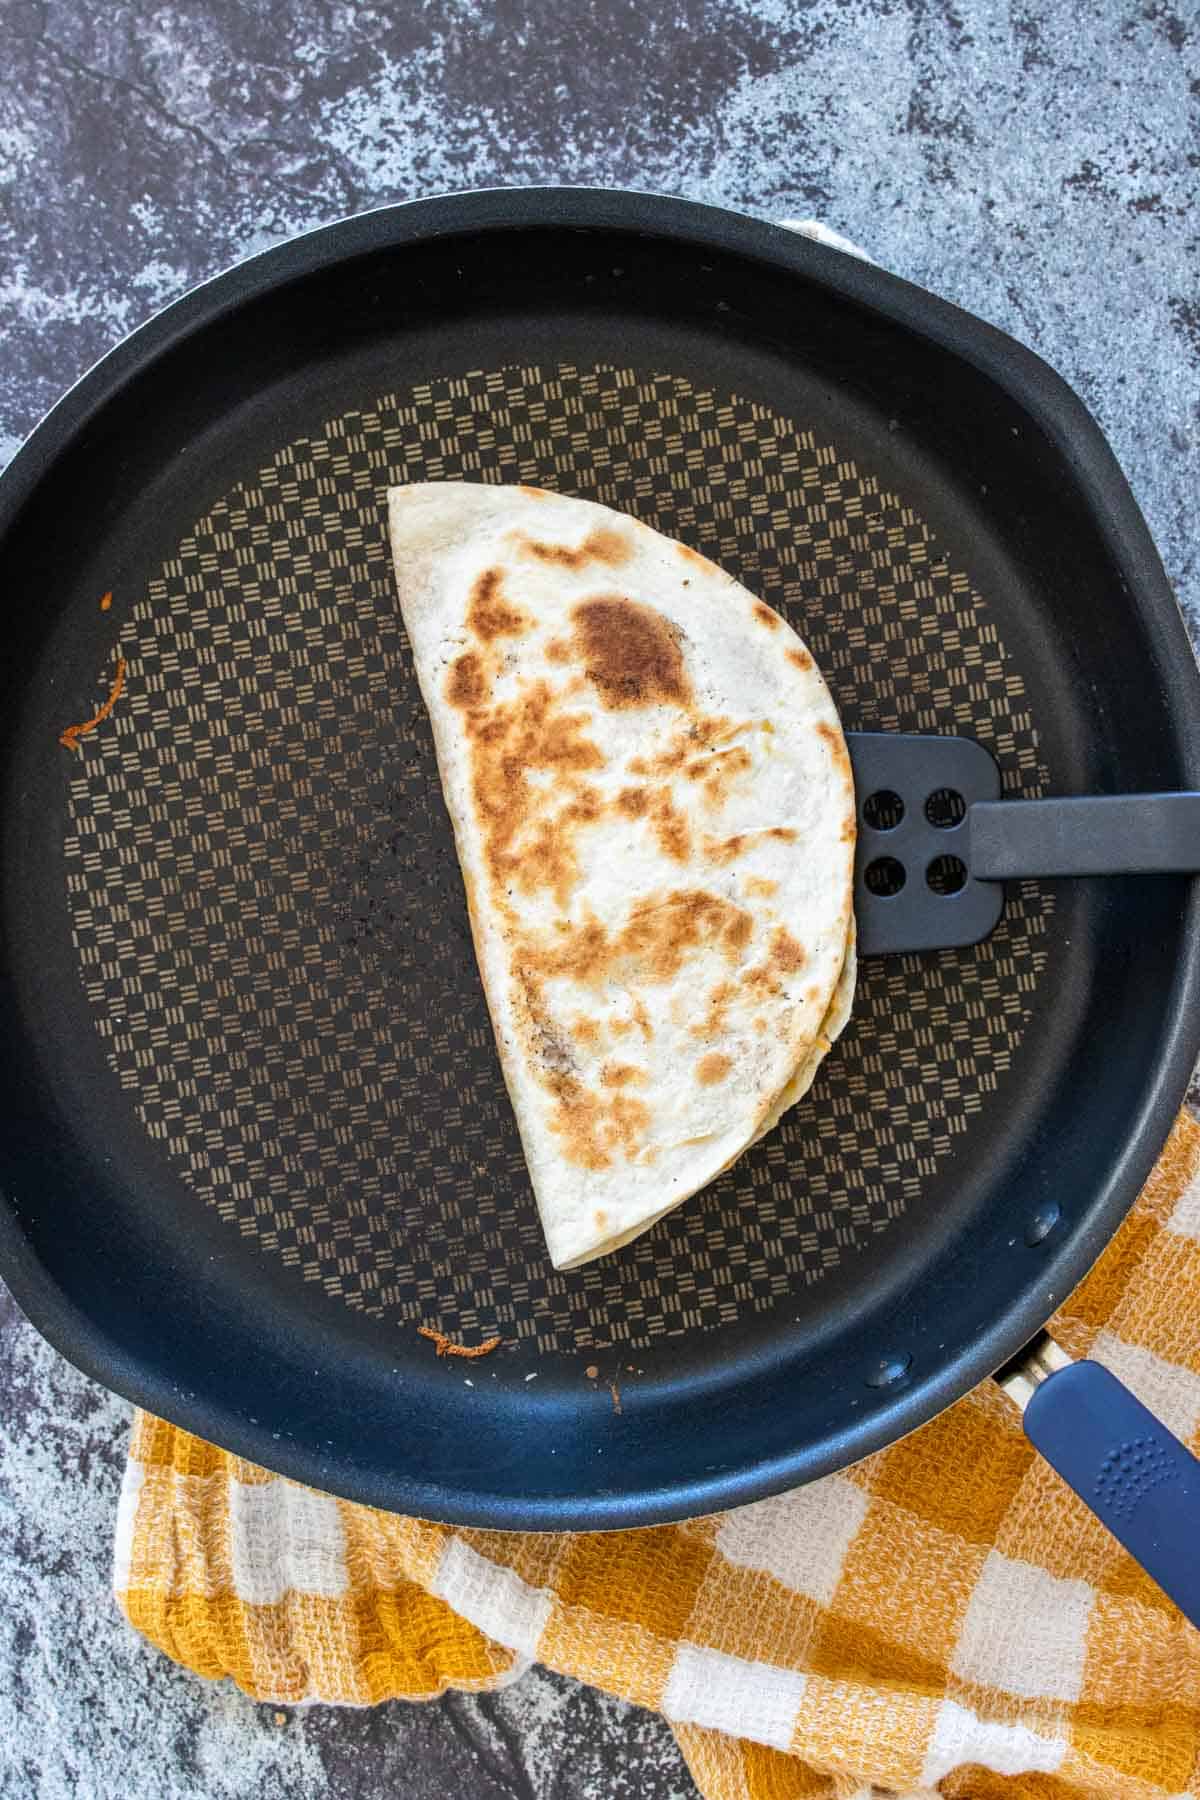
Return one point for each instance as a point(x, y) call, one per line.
point(913, 887)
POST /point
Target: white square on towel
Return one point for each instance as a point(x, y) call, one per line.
point(800, 1538)
point(746, 1699)
point(1025, 1631)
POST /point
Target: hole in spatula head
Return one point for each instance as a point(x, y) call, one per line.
point(884, 876)
point(945, 808)
point(883, 810)
point(946, 874)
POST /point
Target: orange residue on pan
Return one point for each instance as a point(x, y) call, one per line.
point(447, 1347)
point(616, 1396)
point(71, 736)
point(105, 602)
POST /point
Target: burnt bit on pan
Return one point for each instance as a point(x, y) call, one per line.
point(631, 653)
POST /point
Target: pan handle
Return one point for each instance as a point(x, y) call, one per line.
point(1134, 1474)
point(1099, 834)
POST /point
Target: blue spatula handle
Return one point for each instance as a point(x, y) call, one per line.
point(1136, 1477)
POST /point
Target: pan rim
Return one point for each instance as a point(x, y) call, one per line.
point(1051, 405)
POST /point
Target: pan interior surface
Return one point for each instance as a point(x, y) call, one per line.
point(259, 1132)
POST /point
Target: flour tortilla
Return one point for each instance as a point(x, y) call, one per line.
point(654, 815)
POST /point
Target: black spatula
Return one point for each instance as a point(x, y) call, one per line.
point(936, 842)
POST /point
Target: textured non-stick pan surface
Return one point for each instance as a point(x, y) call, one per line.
point(257, 1130)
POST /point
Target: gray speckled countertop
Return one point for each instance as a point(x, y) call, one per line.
point(1039, 168)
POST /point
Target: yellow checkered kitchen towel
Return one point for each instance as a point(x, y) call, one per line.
point(945, 1618)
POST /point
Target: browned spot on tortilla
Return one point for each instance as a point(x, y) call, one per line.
point(759, 887)
point(697, 735)
point(738, 931)
point(849, 829)
point(813, 994)
point(604, 545)
point(634, 802)
point(534, 493)
point(489, 614)
point(766, 617)
point(693, 556)
point(724, 850)
point(800, 657)
point(671, 828)
point(786, 953)
point(713, 1022)
point(596, 1128)
point(466, 686)
point(836, 744)
point(760, 1025)
point(653, 945)
point(713, 1068)
point(585, 1031)
point(718, 770)
point(615, 1075)
point(524, 842)
point(762, 980)
point(558, 651)
point(547, 856)
point(631, 653)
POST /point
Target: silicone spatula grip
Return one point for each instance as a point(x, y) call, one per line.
point(1092, 834)
point(1137, 1478)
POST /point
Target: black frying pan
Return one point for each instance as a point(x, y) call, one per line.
point(253, 1127)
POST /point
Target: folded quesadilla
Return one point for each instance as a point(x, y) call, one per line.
point(654, 815)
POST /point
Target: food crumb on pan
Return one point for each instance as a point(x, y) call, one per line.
point(446, 1347)
point(69, 739)
point(592, 1372)
point(105, 601)
point(616, 1396)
